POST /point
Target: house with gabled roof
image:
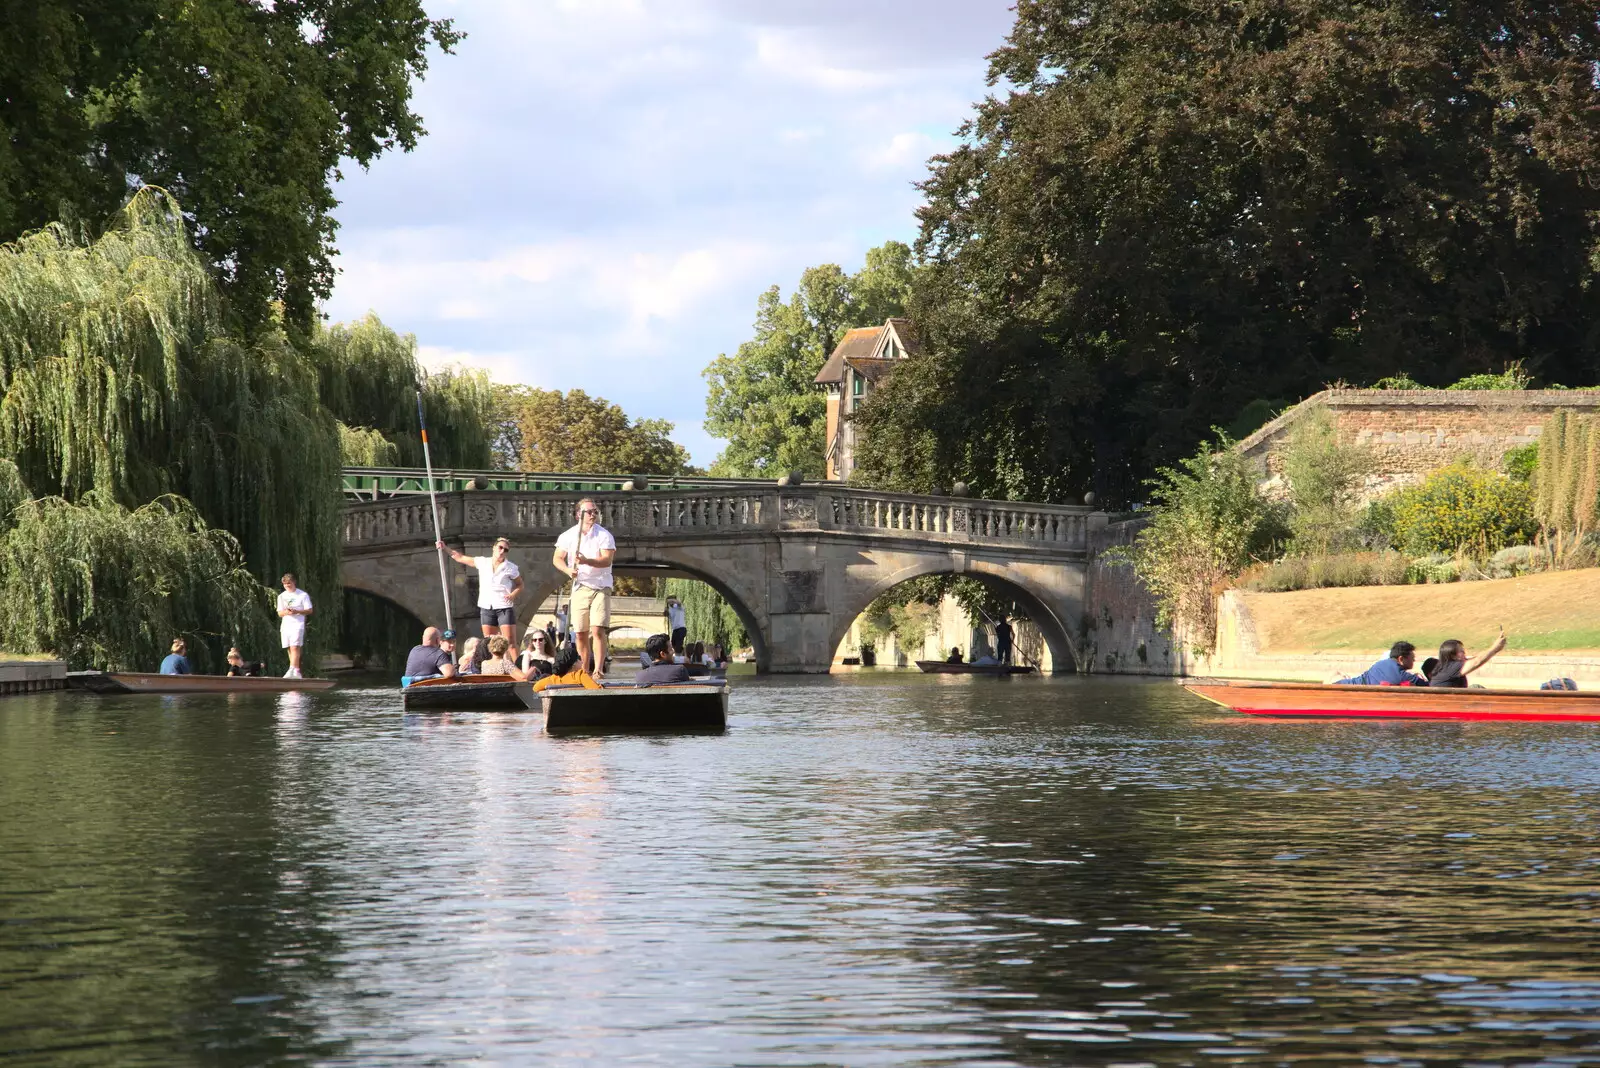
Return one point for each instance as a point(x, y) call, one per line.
point(861, 360)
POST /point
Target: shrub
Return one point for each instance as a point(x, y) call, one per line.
point(1463, 510)
point(1566, 480)
point(1319, 572)
point(1374, 527)
point(1514, 377)
point(1521, 462)
point(1207, 524)
point(1324, 476)
point(1398, 381)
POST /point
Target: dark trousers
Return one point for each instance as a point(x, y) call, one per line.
point(1002, 652)
point(678, 634)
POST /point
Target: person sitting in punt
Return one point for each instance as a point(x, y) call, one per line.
point(1454, 666)
point(177, 661)
point(472, 654)
point(954, 657)
point(430, 659)
point(238, 669)
point(1392, 670)
point(658, 647)
point(497, 662)
point(568, 673)
point(537, 658)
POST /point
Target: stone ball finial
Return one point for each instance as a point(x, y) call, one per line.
point(628, 486)
point(960, 489)
point(793, 478)
point(1089, 499)
point(477, 482)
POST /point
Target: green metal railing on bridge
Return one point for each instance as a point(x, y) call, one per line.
point(379, 483)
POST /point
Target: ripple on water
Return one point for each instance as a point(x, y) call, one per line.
point(873, 870)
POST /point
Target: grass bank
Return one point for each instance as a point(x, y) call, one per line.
point(1558, 611)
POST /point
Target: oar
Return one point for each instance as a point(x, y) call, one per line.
point(433, 500)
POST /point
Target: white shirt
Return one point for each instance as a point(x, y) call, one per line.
point(676, 617)
point(597, 541)
point(494, 587)
point(293, 599)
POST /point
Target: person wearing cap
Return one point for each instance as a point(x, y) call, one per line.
point(429, 659)
point(499, 586)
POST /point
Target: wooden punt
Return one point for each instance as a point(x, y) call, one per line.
point(484, 693)
point(150, 682)
point(1396, 702)
point(620, 706)
point(941, 667)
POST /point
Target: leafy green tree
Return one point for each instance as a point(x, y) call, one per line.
point(1208, 523)
point(1325, 476)
point(368, 376)
point(1183, 205)
point(764, 399)
point(244, 111)
point(572, 431)
point(707, 616)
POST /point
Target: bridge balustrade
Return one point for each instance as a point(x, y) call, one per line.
point(753, 508)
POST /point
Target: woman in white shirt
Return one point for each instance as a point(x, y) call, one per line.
point(499, 586)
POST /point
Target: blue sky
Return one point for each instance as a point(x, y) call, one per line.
point(607, 185)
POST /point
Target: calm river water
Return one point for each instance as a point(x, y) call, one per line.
point(882, 869)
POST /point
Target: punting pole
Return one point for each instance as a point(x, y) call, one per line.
point(433, 500)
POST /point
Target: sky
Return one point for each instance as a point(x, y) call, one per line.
point(607, 186)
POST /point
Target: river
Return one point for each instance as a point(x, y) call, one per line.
point(880, 869)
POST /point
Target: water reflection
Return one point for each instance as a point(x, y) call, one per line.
point(880, 869)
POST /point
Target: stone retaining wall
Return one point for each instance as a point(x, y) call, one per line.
point(1412, 432)
point(32, 676)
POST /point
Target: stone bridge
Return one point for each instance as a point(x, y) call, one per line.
point(797, 563)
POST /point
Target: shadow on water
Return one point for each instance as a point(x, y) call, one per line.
point(879, 868)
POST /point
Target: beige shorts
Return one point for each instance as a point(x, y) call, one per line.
point(590, 608)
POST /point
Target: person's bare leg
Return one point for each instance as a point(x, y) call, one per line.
point(294, 657)
point(600, 637)
point(582, 639)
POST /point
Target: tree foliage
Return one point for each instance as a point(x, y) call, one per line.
point(764, 399)
point(244, 111)
point(573, 431)
point(1183, 205)
point(141, 430)
point(1208, 523)
point(368, 376)
point(98, 583)
point(1325, 475)
point(706, 615)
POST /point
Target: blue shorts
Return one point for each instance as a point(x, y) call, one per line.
point(497, 617)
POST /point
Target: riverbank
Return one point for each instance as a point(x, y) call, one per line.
point(1550, 619)
point(32, 676)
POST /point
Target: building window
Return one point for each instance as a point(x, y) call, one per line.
point(858, 385)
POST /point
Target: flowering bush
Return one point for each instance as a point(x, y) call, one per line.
point(1462, 509)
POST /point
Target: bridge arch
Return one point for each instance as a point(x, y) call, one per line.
point(1046, 606)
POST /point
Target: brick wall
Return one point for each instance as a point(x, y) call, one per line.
point(1412, 432)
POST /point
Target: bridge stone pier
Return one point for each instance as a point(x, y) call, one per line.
point(798, 563)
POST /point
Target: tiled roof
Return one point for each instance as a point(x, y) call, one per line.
point(857, 343)
point(906, 331)
point(871, 370)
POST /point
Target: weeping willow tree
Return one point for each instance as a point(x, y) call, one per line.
point(361, 446)
point(119, 386)
point(368, 376)
point(98, 583)
point(709, 618)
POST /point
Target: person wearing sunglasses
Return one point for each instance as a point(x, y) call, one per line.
point(499, 586)
point(537, 653)
point(584, 552)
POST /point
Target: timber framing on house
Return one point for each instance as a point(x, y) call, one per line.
point(861, 360)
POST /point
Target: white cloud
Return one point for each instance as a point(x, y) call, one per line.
point(608, 185)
